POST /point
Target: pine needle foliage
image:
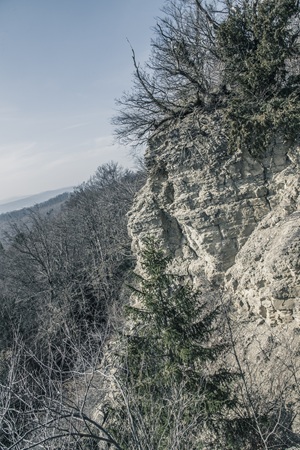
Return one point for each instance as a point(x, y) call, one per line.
point(170, 351)
point(171, 322)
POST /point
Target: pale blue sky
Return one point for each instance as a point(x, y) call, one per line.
point(62, 64)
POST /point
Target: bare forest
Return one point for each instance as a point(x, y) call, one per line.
point(98, 354)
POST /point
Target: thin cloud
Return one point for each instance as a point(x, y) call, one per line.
point(17, 157)
point(17, 149)
point(76, 125)
point(103, 140)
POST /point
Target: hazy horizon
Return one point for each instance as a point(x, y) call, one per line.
point(62, 66)
point(7, 200)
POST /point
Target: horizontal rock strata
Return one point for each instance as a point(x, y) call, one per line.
point(227, 219)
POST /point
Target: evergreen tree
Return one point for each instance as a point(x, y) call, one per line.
point(169, 359)
point(258, 44)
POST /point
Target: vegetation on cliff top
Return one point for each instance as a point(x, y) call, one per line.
point(237, 59)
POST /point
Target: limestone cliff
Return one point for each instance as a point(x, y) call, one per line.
point(232, 226)
point(227, 219)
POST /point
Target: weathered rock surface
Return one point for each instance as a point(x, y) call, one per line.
point(232, 225)
point(231, 220)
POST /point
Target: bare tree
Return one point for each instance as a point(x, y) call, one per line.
point(180, 75)
point(39, 410)
point(267, 388)
point(233, 60)
point(61, 279)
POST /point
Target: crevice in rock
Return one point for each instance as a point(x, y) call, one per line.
point(172, 231)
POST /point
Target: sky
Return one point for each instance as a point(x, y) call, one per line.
point(62, 65)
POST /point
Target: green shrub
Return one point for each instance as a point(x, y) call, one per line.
point(258, 44)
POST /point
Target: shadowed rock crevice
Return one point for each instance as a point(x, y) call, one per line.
point(231, 219)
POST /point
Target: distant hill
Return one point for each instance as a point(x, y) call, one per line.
point(31, 200)
point(52, 204)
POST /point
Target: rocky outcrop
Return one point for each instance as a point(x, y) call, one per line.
point(227, 219)
point(231, 223)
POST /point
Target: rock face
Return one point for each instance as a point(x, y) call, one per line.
point(232, 226)
point(227, 219)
